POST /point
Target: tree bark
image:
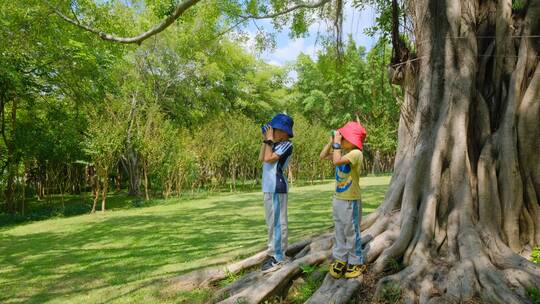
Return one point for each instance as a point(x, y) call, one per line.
point(376, 168)
point(104, 190)
point(96, 193)
point(93, 180)
point(145, 175)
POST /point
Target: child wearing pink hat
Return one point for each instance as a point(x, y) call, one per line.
point(345, 151)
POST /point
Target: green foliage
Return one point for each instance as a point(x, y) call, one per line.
point(312, 278)
point(331, 93)
point(179, 112)
point(535, 255)
point(390, 293)
point(49, 70)
point(104, 136)
point(534, 294)
point(394, 265)
point(308, 141)
point(71, 94)
point(518, 4)
point(308, 268)
point(232, 277)
point(226, 147)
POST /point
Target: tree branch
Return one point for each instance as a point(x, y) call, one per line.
point(178, 11)
point(288, 10)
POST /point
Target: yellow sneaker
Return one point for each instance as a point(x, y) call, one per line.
point(337, 268)
point(354, 271)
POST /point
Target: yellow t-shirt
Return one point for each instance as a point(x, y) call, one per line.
point(348, 176)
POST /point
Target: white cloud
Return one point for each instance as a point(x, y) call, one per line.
point(291, 50)
point(274, 62)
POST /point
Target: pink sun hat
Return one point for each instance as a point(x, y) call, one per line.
point(354, 132)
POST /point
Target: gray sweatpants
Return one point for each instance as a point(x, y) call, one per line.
point(275, 208)
point(348, 243)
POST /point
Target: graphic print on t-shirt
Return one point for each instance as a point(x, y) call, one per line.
point(343, 178)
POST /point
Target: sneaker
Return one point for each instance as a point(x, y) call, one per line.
point(354, 271)
point(269, 264)
point(337, 268)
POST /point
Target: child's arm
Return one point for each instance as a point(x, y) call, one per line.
point(265, 154)
point(263, 147)
point(337, 159)
point(268, 155)
point(326, 153)
point(261, 152)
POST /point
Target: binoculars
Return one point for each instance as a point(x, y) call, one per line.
point(264, 128)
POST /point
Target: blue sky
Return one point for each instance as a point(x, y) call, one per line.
point(355, 21)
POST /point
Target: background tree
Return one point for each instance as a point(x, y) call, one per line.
point(103, 144)
point(331, 92)
point(43, 85)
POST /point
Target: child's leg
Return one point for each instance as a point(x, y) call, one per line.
point(339, 211)
point(283, 202)
point(354, 240)
point(269, 216)
point(275, 217)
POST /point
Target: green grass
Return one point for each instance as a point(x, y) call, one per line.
point(300, 293)
point(120, 256)
point(535, 255)
point(52, 207)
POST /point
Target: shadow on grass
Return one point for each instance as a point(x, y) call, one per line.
point(115, 251)
point(130, 251)
point(82, 204)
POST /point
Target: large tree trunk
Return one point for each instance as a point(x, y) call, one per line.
point(464, 212)
point(463, 216)
point(462, 209)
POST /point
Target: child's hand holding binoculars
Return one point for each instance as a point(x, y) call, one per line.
point(267, 132)
point(335, 137)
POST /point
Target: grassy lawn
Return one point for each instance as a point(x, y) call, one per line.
point(120, 256)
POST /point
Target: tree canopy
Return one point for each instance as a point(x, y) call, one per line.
point(82, 114)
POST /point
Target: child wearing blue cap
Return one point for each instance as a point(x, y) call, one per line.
point(276, 150)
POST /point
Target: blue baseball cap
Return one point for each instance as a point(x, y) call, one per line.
point(283, 122)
